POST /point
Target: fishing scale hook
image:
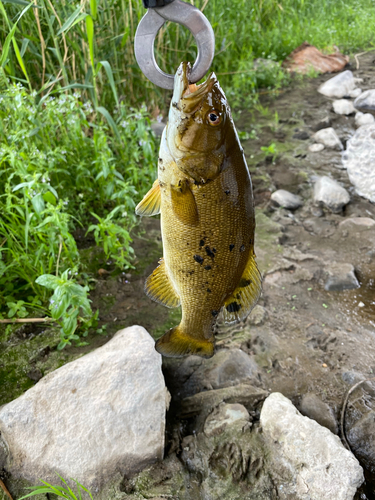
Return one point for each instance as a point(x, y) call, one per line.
point(158, 13)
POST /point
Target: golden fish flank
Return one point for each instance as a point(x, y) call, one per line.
point(205, 198)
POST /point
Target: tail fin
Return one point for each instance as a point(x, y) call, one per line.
point(176, 344)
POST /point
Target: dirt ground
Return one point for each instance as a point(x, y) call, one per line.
point(303, 338)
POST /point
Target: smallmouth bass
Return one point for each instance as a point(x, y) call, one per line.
point(204, 195)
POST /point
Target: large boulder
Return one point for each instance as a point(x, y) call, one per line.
point(92, 418)
point(308, 461)
point(359, 159)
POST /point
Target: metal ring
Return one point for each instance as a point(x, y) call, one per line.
point(181, 13)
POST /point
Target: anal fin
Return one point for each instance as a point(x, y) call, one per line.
point(159, 287)
point(240, 303)
point(183, 203)
point(150, 205)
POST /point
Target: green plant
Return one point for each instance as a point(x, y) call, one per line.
point(60, 491)
point(270, 150)
point(69, 304)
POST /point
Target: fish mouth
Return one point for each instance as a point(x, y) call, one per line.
point(186, 96)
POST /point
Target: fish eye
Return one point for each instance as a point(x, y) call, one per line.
point(214, 117)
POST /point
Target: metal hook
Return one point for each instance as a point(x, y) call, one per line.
point(181, 13)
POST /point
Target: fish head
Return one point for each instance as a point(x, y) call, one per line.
point(199, 126)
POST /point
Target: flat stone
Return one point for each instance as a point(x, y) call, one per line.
point(366, 102)
point(226, 415)
point(343, 107)
point(340, 85)
point(329, 192)
point(315, 148)
point(363, 119)
point(341, 277)
point(329, 138)
point(302, 135)
point(359, 159)
point(101, 414)
point(313, 407)
point(358, 221)
point(286, 199)
point(308, 462)
point(361, 439)
point(323, 123)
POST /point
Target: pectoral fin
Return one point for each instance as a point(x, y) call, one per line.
point(159, 287)
point(183, 204)
point(150, 205)
point(246, 295)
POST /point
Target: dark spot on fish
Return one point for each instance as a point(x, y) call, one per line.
point(214, 250)
point(189, 273)
point(203, 195)
point(207, 268)
point(208, 290)
point(201, 243)
point(198, 259)
point(187, 243)
point(160, 160)
point(244, 283)
point(238, 296)
point(210, 252)
point(233, 307)
point(231, 247)
point(242, 249)
point(175, 104)
point(250, 241)
point(227, 192)
point(214, 313)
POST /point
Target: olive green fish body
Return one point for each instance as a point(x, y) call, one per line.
point(205, 198)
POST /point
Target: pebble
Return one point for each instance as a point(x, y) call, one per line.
point(359, 159)
point(315, 148)
point(101, 414)
point(341, 277)
point(366, 102)
point(340, 85)
point(363, 119)
point(308, 460)
point(313, 407)
point(323, 123)
point(358, 221)
point(331, 194)
point(343, 107)
point(226, 415)
point(355, 93)
point(329, 138)
point(301, 135)
point(286, 199)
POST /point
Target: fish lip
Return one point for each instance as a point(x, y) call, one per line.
point(181, 90)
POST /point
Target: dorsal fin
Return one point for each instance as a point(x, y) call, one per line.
point(246, 294)
point(150, 205)
point(159, 287)
point(183, 203)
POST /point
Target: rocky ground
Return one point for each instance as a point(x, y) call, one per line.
point(311, 337)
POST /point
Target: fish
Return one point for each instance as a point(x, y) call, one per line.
point(205, 199)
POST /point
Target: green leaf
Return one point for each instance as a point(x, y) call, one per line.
point(90, 38)
point(93, 8)
point(72, 20)
point(110, 120)
point(38, 203)
point(109, 72)
point(49, 198)
point(20, 2)
point(48, 280)
point(6, 45)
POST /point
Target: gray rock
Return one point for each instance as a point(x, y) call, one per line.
point(313, 407)
point(359, 159)
point(316, 148)
point(228, 367)
point(309, 462)
point(343, 107)
point(286, 199)
point(329, 138)
point(341, 277)
point(340, 85)
point(363, 119)
point(257, 316)
point(157, 128)
point(226, 415)
point(366, 102)
point(362, 442)
point(358, 221)
point(98, 415)
point(329, 192)
point(355, 93)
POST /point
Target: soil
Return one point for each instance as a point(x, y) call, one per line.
point(303, 338)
